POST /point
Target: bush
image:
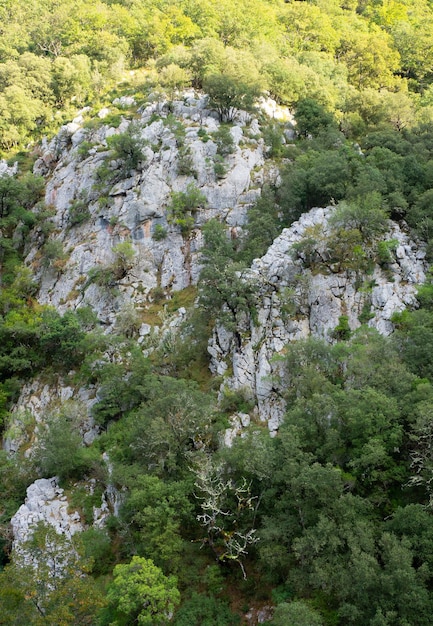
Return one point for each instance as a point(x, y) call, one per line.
point(78, 212)
point(364, 214)
point(185, 163)
point(159, 232)
point(53, 254)
point(202, 610)
point(219, 167)
point(224, 140)
point(126, 148)
point(60, 450)
point(228, 94)
point(312, 118)
point(183, 204)
point(297, 613)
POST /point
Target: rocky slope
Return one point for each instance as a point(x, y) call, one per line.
point(135, 208)
point(295, 301)
point(178, 150)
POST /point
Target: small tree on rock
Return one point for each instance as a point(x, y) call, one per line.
point(228, 94)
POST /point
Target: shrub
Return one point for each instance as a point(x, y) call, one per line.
point(159, 232)
point(124, 257)
point(60, 451)
point(224, 140)
point(363, 213)
point(53, 254)
point(183, 204)
point(78, 212)
point(185, 163)
point(201, 610)
point(125, 148)
point(219, 167)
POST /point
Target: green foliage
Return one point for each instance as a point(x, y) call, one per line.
point(185, 162)
point(224, 140)
point(172, 420)
point(30, 594)
point(341, 499)
point(141, 593)
point(342, 330)
point(386, 250)
point(296, 613)
point(228, 94)
point(274, 140)
point(201, 610)
point(364, 214)
point(122, 386)
point(98, 548)
point(223, 293)
point(263, 226)
point(78, 211)
point(233, 401)
point(312, 118)
point(159, 232)
point(157, 513)
point(219, 167)
point(126, 149)
point(60, 451)
point(53, 255)
point(108, 276)
point(183, 205)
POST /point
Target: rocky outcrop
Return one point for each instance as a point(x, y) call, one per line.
point(37, 401)
point(46, 503)
point(135, 208)
point(295, 301)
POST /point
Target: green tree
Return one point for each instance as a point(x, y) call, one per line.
point(183, 205)
point(142, 594)
point(223, 292)
point(228, 95)
point(312, 118)
point(201, 610)
point(296, 613)
point(365, 214)
point(158, 513)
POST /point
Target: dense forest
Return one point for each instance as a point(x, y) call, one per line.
point(329, 523)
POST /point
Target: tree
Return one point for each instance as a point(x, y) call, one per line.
point(365, 214)
point(312, 118)
point(157, 512)
point(201, 610)
point(228, 95)
point(60, 450)
point(140, 593)
point(227, 511)
point(296, 613)
point(223, 292)
point(183, 205)
point(175, 421)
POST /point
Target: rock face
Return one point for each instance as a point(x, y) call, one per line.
point(45, 502)
point(295, 302)
point(38, 400)
point(178, 152)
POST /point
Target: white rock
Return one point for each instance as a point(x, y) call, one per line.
point(45, 503)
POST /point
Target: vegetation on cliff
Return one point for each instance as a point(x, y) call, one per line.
point(330, 522)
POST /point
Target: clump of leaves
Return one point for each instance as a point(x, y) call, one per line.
point(183, 205)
